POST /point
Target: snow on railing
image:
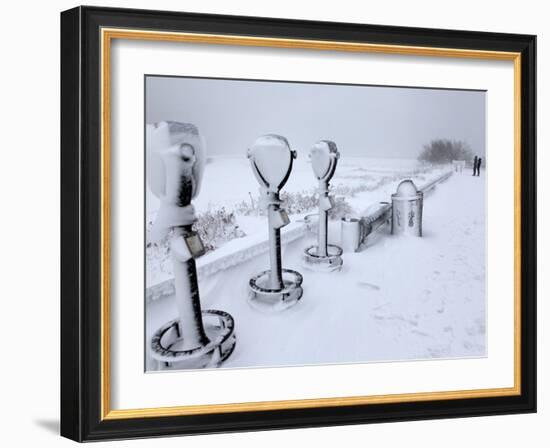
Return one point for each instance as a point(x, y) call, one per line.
point(429, 186)
point(356, 229)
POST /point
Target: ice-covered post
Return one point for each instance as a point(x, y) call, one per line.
point(276, 218)
point(175, 163)
point(324, 158)
point(271, 160)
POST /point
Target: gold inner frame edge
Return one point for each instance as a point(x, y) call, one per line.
point(107, 35)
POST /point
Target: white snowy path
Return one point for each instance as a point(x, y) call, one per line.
point(405, 298)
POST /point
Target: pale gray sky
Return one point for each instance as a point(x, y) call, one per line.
point(369, 121)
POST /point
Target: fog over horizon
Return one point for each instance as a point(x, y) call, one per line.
point(364, 121)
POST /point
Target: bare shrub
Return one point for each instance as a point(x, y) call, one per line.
point(215, 227)
point(441, 151)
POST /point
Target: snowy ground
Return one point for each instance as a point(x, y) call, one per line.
point(399, 298)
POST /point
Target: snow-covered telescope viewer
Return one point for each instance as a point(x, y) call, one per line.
point(323, 256)
point(175, 165)
point(271, 161)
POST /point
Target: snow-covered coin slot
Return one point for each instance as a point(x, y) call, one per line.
point(323, 256)
point(407, 209)
point(276, 288)
point(175, 164)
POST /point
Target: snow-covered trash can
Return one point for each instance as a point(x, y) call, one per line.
point(276, 288)
point(323, 256)
point(175, 164)
point(407, 204)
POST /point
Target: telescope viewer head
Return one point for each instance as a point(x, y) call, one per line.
point(175, 161)
point(324, 156)
point(271, 159)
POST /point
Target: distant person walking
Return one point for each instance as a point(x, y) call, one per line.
point(479, 164)
point(475, 166)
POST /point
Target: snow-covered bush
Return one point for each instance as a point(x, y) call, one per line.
point(216, 227)
point(368, 184)
point(295, 203)
point(298, 202)
point(248, 208)
point(306, 201)
point(341, 208)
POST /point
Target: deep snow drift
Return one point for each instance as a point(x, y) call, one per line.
point(400, 298)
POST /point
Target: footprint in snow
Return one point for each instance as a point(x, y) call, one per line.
point(420, 333)
point(369, 286)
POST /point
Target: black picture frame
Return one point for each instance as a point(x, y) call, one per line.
point(81, 209)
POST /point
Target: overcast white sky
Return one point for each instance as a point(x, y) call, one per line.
point(368, 121)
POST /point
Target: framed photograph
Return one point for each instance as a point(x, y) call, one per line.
point(273, 223)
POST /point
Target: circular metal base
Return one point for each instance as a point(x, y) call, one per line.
point(329, 263)
point(263, 298)
point(219, 327)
